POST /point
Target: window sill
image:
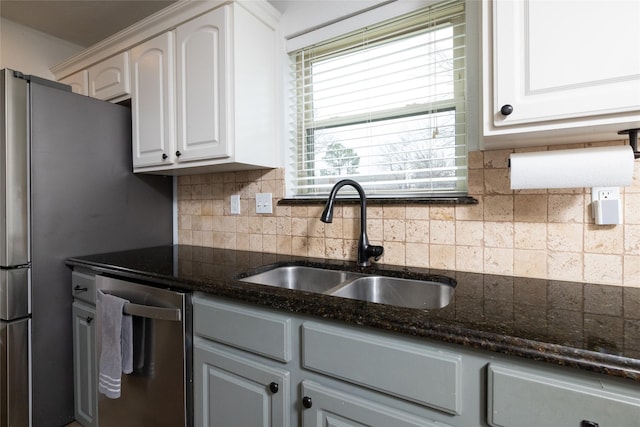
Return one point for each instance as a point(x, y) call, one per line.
point(444, 200)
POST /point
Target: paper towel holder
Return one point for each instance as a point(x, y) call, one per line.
point(633, 140)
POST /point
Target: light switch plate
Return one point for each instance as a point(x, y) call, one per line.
point(235, 204)
point(263, 203)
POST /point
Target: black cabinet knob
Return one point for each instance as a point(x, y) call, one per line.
point(586, 423)
point(506, 109)
point(78, 288)
point(164, 156)
point(306, 402)
point(274, 387)
point(178, 154)
point(89, 319)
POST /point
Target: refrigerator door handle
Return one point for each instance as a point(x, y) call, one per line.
point(14, 186)
point(15, 293)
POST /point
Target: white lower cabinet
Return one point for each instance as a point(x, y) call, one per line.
point(232, 390)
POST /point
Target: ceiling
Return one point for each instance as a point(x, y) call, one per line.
point(85, 22)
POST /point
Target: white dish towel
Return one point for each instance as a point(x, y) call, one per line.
point(116, 356)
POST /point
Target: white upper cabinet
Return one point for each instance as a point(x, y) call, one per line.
point(153, 101)
point(202, 82)
point(203, 76)
point(225, 96)
point(79, 82)
point(559, 72)
point(109, 79)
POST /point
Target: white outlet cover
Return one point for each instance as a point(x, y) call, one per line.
point(263, 203)
point(605, 193)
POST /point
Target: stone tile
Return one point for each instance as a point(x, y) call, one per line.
point(498, 208)
point(603, 300)
point(442, 232)
point(495, 159)
point(469, 233)
point(565, 266)
point(530, 235)
point(530, 263)
point(607, 239)
point(498, 234)
point(417, 254)
point(530, 207)
point(604, 269)
point(565, 296)
point(417, 231)
point(565, 237)
point(469, 258)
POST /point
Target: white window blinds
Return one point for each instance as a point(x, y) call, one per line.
point(383, 106)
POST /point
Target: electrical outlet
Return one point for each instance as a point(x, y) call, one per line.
point(606, 207)
point(235, 204)
point(263, 203)
point(605, 193)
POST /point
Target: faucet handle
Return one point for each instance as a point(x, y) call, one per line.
point(375, 251)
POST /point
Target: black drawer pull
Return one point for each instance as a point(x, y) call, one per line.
point(586, 423)
point(274, 387)
point(78, 288)
point(89, 319)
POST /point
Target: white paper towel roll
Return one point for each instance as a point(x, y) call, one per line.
point(583, 167)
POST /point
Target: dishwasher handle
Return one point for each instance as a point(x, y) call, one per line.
point(152, 312)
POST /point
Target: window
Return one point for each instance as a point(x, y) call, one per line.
point(384, 106)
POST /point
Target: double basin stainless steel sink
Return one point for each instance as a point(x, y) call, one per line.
point(410, 293)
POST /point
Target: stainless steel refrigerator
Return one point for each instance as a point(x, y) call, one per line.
point(66, 189)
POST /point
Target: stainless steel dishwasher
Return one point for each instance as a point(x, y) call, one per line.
point(158, 391)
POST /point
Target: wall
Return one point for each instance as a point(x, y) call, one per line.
point(530, 233)
point(31, 52)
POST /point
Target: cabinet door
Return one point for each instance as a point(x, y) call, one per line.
point(202, 58)
point(152, 101)
point(79, 82)
point(109, 79)
point(230, 390)
point(563, 60)
point(325, 407)
point(84, 364)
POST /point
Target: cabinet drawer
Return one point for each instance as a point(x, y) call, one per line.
point(83, 287)
point(243, 327)
point(410, 371)
point(517, 398)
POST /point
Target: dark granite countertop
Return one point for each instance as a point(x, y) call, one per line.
point(586, 326)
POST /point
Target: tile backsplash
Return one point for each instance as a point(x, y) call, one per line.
point(530, 233)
